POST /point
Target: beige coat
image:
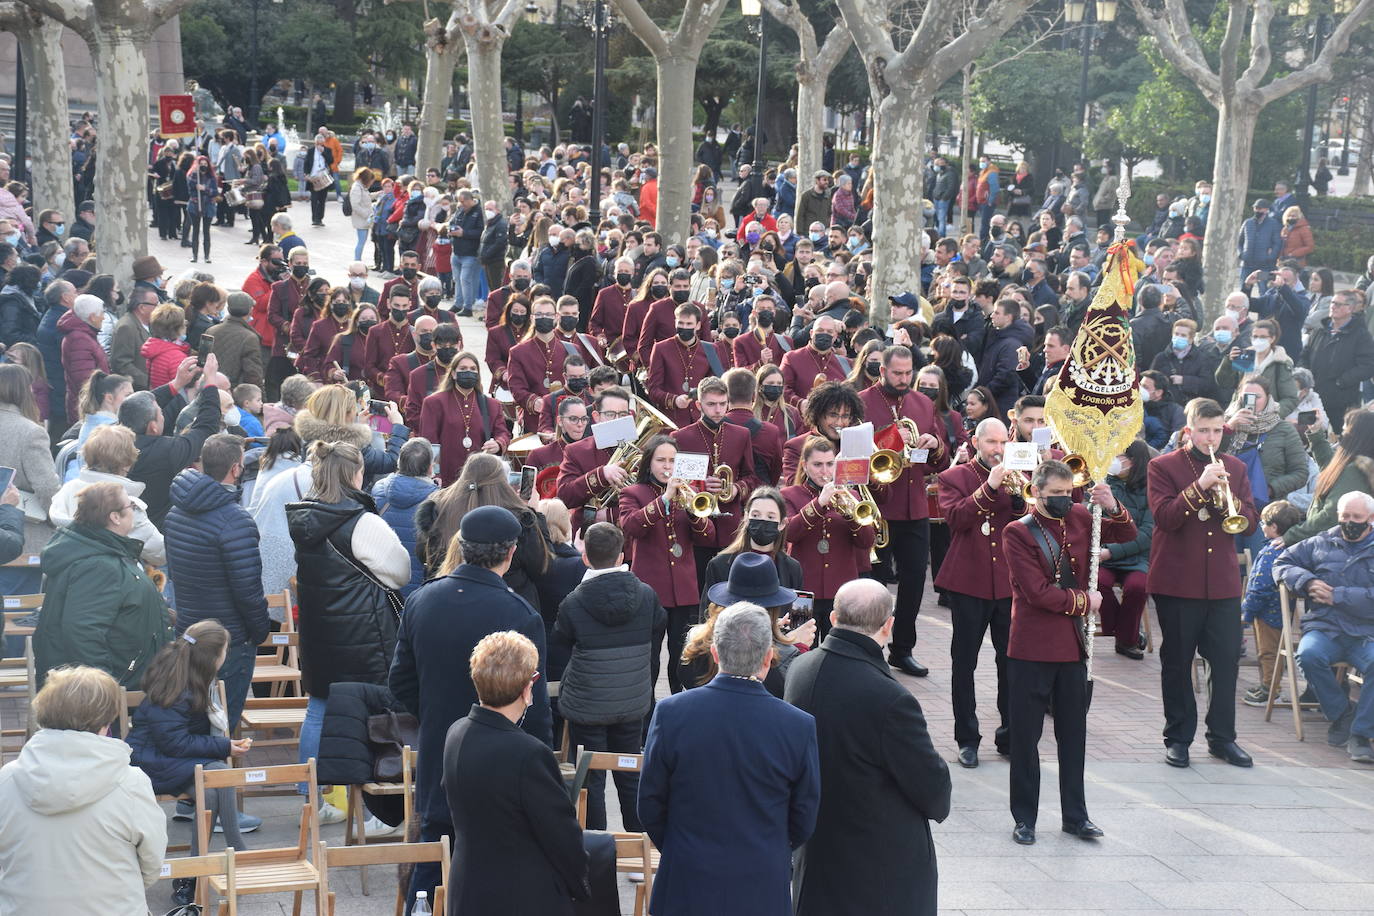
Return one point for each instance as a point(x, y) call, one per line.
point(126, 350)
point(24, 447)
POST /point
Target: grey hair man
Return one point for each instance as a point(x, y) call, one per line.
point(878, 767)
point(730, 783)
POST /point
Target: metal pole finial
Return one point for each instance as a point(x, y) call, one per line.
point(1121, 218)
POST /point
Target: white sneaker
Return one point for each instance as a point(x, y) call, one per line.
point(331, 815)
point(636, 877)
point(375, 829)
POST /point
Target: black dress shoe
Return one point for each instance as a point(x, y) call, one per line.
point(1024, 834)
point(1176, 755)
point(1130, 652)
point(968, 756)
point(183, 891)
point(1230, 752)
point(908, 665)
point(1086, 830)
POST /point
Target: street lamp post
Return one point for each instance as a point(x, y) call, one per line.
point(19, 169)
point(752, 8)
point(1318, 31)
point(253, 106)
point(600, 27)
point(1075, 13)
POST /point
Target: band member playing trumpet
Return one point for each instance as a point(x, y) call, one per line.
point(823, 532)
point(677, 366)
point(978, 499)
point(1198, 502)
point(831, 407)
point(801, 366)
point(461, 420)
point(659, 536)
point(892, 401)
point(573, 423)
point(1047, 557)
point(724, 445)
point(586, 474)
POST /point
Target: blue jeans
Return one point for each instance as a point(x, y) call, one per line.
point(941, 216)
point(469, 270)
point(1317, 652)
point(237, 674)
point(358, 248)
point(310, 734)
point(985, 213)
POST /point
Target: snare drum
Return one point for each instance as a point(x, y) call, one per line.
point(233, 197)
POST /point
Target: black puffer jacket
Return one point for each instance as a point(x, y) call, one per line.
point(348, 630)
point(610, 624)
point(345, 757)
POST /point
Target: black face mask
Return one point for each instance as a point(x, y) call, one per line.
point(521, 283)
point(763, 319)
point(577, 384)
point(519, 320)
point(711, 424)
point(1353, 531)
point(432, 302)
point(426, 341)
point(409, 272)
point(399, 315)
point(467, 379)
point(681, 295)
point(445, 355)
point(931, 393)
point(686, 335)
point(300, 271)
point(1056, 506)
point(365, 326)
point(658, 291)
point(822, 342)
point(339, 309)
point(763, 531)
point(772, 392)
point(623, 279)
point(543, 325)
point(567, 322)
point(731, 333)
point(872, 369)
point(812, 282)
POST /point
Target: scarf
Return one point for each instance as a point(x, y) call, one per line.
point(1264, 421)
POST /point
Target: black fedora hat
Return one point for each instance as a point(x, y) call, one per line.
point(753, 578)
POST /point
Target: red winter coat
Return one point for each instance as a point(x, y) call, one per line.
point(163, 358)
point(81, 355)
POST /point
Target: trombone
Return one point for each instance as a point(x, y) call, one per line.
point(885, 465)
point(1234, 522)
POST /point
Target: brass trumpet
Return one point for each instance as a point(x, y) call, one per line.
point(1079, 466)
point(864, 511)
point(1234, 522)
point(698, 504)
point(886, 465)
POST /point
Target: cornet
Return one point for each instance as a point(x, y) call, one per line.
point(885, 465)
point(864, 511)
point(1079, 466)
point(698, 504)
point(1234, 522)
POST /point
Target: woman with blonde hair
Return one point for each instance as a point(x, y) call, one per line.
point(461, 419)
point(1297, 236)
point(539, 237)
point(348, 564)
point(76, 820)
point(483, 482)
point(165, 347)
point(360, 201)
point(566, 568)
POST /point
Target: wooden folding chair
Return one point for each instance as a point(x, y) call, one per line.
point(18, 608)
point(268, 871)
point(217, 864)
point(354, 832)
point(263, 715)
point(282, 666)
point(605, 761)
point(25, 560)
point(18, 673)
point(635, 852)
point(328, 857)
point(1285, 665)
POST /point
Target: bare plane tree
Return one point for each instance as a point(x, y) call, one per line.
point(40, 47)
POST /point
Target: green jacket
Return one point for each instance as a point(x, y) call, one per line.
point(1132, 555)
point(100, 608)
point(1321, 516)
point(1284, 461)
point(1278, 372)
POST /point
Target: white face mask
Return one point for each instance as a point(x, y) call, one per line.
point(1116, 468)
point(232, 416)
point(357, 282)
point(1237, 315)
point(1261, 344)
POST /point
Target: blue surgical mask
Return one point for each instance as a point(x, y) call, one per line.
point(59, 230)
point(12, 238)
point(854, 243)
point(1180, 343)
point(727, 283)
point(672, 261)
point(817, 237)
point(1205, 198)
point(1222, 336)
point(1149, 259)
point(369, 146)
point(414, 194)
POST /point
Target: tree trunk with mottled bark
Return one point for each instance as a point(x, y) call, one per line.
point(676, 81)
point(119, 56)
point(488, 132)
point(442, 48)
point(40, 45)
point(899, 146)
point(1235, 142)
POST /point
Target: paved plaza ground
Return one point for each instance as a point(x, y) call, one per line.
point(1295, 833)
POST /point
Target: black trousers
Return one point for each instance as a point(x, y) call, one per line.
point(618, 738)
point(200, 230)
point(909, 549)
point(939, 546)
point(276, 371)
point(258, 219)
point(680, 620)
point(317, 201)
point(1033, 686)
point(821, 608)
point(1210, 629)
point(972, 617)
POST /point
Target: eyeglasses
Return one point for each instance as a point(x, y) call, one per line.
point(534, 677)
point(615, 414)
point(127, 507)
point(577, 419)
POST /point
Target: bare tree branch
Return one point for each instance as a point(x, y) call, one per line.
point(1179, 46)
point(920, 49)
point(977, 38)
point(643, 27)
point(790, 15)
point(1229, 50)
point(832, 50)
point(1321, 69)
point(868, 30)
point(1049, 32)
point(1260, 53)
point(77, 15)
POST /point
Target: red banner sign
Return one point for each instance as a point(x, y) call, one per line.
point(176, 115)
